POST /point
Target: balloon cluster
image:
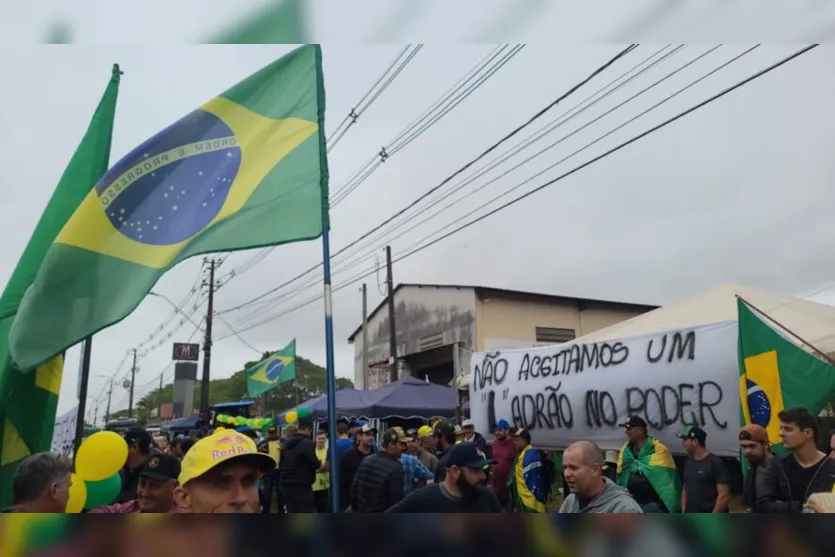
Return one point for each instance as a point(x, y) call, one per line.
point(240, 421)
point(293, 417)
point(96, 481)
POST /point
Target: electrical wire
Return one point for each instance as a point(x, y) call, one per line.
point(559, 178)
point(374, 92)
point(462, 169)
point(423, 123)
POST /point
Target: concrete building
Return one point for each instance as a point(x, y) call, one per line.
point(438, 327)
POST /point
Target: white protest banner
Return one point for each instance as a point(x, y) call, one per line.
point(64, 433)
point(568, 392)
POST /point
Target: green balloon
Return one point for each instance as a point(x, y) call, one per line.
point(46, 532)
point(303, 413)
point(240, 421)
point(103, 493)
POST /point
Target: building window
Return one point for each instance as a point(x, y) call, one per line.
point(554, 335)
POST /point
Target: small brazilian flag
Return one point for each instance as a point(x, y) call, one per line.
point(247, 169)
point(776, 374)
point(268, 374)
point(28, 401)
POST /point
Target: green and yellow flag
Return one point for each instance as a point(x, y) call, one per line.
point(248, 169)
point(656, 464)
point(271, 372)
point(776, 374)
point(28, 401)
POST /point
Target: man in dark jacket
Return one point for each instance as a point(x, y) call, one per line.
point(804, 471)
point(445, 438)
point(139, 451)
point(380, 480)
point(472, 436)
point(298, 470)
point(351, 460)
point(753, 442)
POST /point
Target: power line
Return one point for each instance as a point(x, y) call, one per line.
point(590, 101)
point(549, 183)
point(432, 190)
point(426, 121)
point(359, 109)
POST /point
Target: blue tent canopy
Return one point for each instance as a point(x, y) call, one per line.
point(183, 424)
point(407, 398)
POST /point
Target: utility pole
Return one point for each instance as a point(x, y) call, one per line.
point(392, 327)
point(207, 343)
point(109, 396)
point(132, 382)
point(159, 407)
point(364, 337)
point(96, 414)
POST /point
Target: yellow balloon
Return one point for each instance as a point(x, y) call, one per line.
point(78, 495)
point(291, 417)
point(101, 456)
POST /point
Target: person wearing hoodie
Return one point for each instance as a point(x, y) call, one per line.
point(591, 491)
point(298, 470)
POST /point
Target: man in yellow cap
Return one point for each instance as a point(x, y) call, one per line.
point(220, 475)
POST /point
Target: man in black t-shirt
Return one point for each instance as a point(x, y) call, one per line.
point(462, 490)
point(706, 479)
point(803, 472)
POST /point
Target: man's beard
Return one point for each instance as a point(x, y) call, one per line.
point(468, 490)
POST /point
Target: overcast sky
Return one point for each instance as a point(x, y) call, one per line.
point(740, 191)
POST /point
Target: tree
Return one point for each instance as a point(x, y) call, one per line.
point(310, 382)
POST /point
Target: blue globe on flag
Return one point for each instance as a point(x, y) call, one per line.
point(172, 186)
point(274, 369)
point(758, 404)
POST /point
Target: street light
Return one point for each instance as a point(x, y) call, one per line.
point(176, 309)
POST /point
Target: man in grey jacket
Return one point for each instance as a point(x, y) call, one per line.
point(591, 491)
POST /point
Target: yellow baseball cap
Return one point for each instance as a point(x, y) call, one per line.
point(218, 448)
point(424, 431)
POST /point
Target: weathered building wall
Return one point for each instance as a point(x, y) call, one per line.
point(425, 317)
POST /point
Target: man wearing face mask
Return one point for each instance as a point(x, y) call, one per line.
point(220, 475)
point(462, 490)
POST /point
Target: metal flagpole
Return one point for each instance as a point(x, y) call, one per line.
point(333, 455)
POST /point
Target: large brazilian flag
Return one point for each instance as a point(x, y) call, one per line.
point(776, 374)
point(28, 401)
point(247, 169)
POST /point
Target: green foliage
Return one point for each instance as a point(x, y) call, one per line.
point(311, 383)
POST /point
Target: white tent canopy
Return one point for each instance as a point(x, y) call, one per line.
point(811, 321)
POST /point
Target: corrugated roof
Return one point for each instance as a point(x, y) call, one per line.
point(503, 292)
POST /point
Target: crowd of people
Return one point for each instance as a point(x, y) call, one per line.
point(445, 468)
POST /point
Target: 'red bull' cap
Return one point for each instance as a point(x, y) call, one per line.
point(218, 448)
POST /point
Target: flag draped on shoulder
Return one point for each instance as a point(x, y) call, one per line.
point(776, 374)
point(656, 464)
point(278, 368)
point(528, 482)
point(28, 401)
point(247, 169)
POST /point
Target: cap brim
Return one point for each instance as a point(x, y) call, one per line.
point(682, 436)
point(157, 477)
point(479, 464)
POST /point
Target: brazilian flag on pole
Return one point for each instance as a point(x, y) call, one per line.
point(268, 374)
point(28, 401)
point(247, 169)
point(776, 374)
